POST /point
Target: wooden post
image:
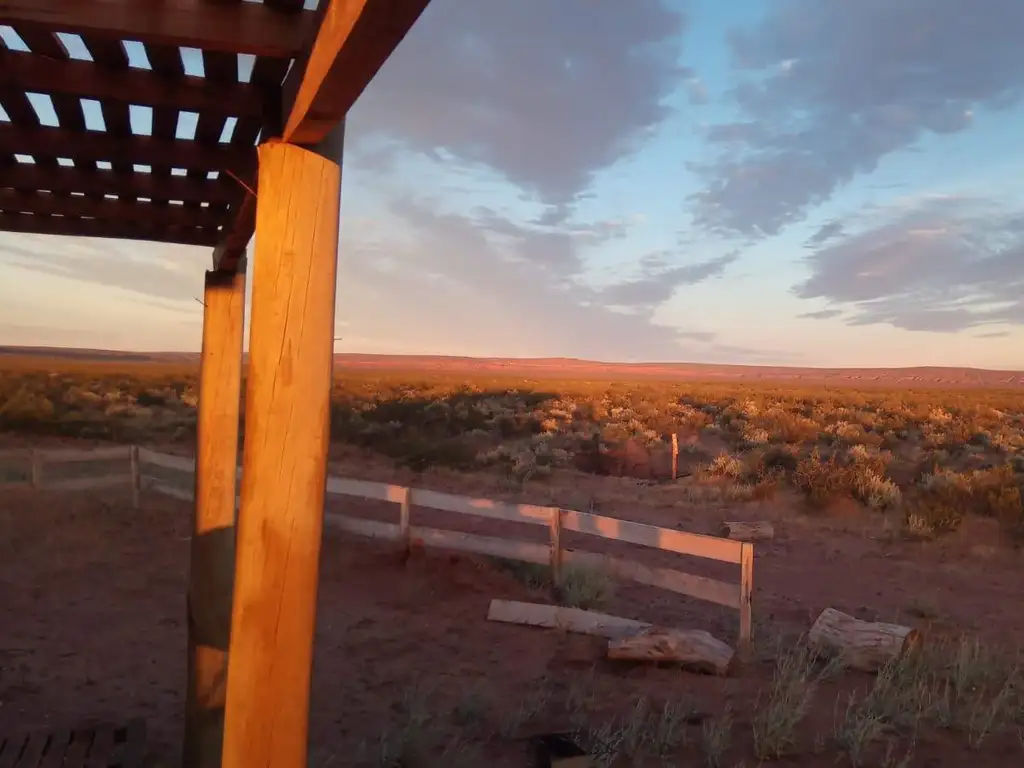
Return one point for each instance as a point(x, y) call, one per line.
point(556, 549)
point(746, 598)
point(287, 426)
point(212, 551)
point(136, 477)
point(675, 456)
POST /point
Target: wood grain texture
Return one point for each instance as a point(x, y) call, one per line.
point(212, 561)
point(291, 353)
point(863, 645)
point(235, 27)
point(354, 39)
point(692, 649)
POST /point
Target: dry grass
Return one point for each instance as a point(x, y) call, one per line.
point(930, 456)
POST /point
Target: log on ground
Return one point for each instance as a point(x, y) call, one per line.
point(693, 649)
point(748, 531)
point(863, 645)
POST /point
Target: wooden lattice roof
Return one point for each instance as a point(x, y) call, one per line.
point(139, 119)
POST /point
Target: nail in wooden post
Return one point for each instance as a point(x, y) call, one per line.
point(287, 415)
point(212, 568)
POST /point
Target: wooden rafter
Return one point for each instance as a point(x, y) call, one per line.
point(25, 177)
point(49, 204)
point(137, 150)
point(84, 79)
point(353, 41)
point(254, 28)
point(121, 230)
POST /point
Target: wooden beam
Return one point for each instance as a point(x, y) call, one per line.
point(212, 565)
point(284, 462)
point(353, 41)
point(138, 150)
point(232, 246)
point(86, 79)
point(116, 229)
point(48, 204)
point(27, 177)
point(234, 27)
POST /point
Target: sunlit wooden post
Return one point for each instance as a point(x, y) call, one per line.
point(291, 352)
point(212, 558)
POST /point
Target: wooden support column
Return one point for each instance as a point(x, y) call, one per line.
point(287, 421)
point(213, 534)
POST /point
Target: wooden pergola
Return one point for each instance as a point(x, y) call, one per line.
point(263, 156)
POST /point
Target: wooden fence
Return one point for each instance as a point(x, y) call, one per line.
point(557, 521)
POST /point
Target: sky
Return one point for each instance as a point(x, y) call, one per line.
point(784, 182)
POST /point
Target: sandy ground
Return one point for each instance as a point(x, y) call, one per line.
point(92, 607)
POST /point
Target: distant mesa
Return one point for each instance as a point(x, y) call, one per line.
point(570, 368)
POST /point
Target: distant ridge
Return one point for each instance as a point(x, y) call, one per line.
point(587, 369)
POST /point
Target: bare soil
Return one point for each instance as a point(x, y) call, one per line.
point(92, 607)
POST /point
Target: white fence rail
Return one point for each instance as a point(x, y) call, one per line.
point(557, 521)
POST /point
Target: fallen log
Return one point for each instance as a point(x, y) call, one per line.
point(693, 649)
point(748, 531)
point(863, 645)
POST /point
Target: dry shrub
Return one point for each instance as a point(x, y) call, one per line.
point(822, 481)
point(943, 498)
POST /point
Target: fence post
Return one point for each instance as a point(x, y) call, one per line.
point(37, 468)
point(746, 595)
point(556, 548)
point(136, 477)
point(675, 456)
point(403, 521)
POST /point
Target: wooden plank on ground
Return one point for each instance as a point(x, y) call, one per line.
point(560, 617)
point(680, 542)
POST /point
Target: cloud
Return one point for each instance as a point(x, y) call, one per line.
point(483, 285)
point(942, 264)
point(659, 283)
point(830, 88)
point(159, 272)
point(543, 92)
point(822, 314)
point(826, 232)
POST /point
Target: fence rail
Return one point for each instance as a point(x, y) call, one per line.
point(556, 520)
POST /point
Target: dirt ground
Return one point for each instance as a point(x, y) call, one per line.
point(92, 627)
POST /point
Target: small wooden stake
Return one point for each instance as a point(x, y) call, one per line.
point(675, 455)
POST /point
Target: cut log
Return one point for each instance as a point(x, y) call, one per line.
point(863, 645)
point(748, 531)
point(559, 617)
point(693, 649)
